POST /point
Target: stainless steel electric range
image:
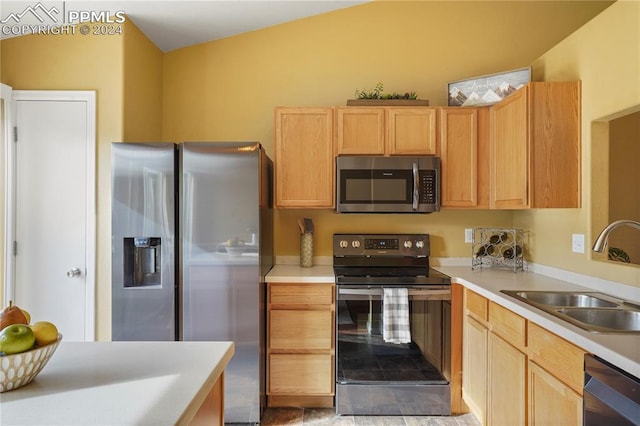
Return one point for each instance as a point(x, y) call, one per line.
point(374, 376)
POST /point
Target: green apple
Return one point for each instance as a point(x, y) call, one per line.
point(16, 338)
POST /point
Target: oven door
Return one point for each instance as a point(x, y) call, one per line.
point(374, 377)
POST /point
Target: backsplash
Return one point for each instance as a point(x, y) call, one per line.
point(446, 228)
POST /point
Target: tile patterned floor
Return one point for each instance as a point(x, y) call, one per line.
point(327, 416)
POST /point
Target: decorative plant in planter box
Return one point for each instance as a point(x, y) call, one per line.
point(376, 96)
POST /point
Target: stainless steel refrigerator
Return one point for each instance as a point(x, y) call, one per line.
point(192, 241)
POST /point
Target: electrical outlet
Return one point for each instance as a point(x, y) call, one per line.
point(468, 235)
point(577, 243)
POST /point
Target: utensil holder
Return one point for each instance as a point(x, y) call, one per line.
point(306, 250)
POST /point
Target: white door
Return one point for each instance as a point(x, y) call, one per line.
point(5, 138)
point(54, 256)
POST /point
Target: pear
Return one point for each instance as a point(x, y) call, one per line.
point(12, 315)
point(26, 315)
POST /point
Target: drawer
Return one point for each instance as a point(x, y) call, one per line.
point(301, 294)
point(562, 359)
point(300, 374)
point(508, 325)
point(476, 305)
point(300, 330)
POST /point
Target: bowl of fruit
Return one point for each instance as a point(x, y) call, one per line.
point(24, 348)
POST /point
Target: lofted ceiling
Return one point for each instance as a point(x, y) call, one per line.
point(172, 24)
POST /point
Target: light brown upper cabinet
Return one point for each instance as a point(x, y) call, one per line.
point(360, 130)
point(411, 131)
point(304, 161)
point(464, 155)
point(386, 131)
point(535, 147)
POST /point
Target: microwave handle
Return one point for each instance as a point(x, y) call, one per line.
point(416, 186)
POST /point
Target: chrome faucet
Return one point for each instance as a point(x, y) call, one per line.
point(603, 238)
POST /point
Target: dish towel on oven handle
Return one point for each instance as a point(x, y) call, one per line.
point(395, 315)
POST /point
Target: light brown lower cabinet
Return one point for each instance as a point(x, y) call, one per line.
point(474, 367)
point(516, 372)
point(300, 374)
point(300, 344)
point(507, 386)
point(551, 402)
point(556, 375)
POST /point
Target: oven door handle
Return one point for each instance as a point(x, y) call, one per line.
point(415, 294)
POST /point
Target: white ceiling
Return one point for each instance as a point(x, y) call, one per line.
point(175, 24)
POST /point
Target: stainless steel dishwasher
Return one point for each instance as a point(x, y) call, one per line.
point(611, 396)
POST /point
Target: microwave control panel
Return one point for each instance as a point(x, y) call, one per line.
point(428, 186)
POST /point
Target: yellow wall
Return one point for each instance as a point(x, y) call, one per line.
point(78, 62)
point(227, 89)
point(624, 191)
point(126, 73)
point(142, 87)
point(605, 55)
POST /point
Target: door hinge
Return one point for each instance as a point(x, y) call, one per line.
point(15, 133)
point(15, 248)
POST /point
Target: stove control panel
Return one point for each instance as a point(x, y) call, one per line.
point(412, 245)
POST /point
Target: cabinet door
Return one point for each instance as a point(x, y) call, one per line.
point(459, 157)
point(411, 131)
point(555, 144)
point(360, 130)
point(300, 374)
point(474, 367)
point(509, 152)
point(304, 163)
point(507, 384)
point(551, 400)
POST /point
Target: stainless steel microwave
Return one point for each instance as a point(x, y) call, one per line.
point(377, 184)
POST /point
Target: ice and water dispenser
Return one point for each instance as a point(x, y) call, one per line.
point(142, 265)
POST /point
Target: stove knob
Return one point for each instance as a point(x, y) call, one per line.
point(419, 244)
point(344, 243)
point(355, 244)
point(407, 244)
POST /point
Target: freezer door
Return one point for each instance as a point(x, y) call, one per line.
point(143, 241)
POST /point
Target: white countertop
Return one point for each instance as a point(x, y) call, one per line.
point(622, 350)
point(296, 273)
point(119, 383)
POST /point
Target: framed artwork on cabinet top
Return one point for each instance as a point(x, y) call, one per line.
point(487, 89)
